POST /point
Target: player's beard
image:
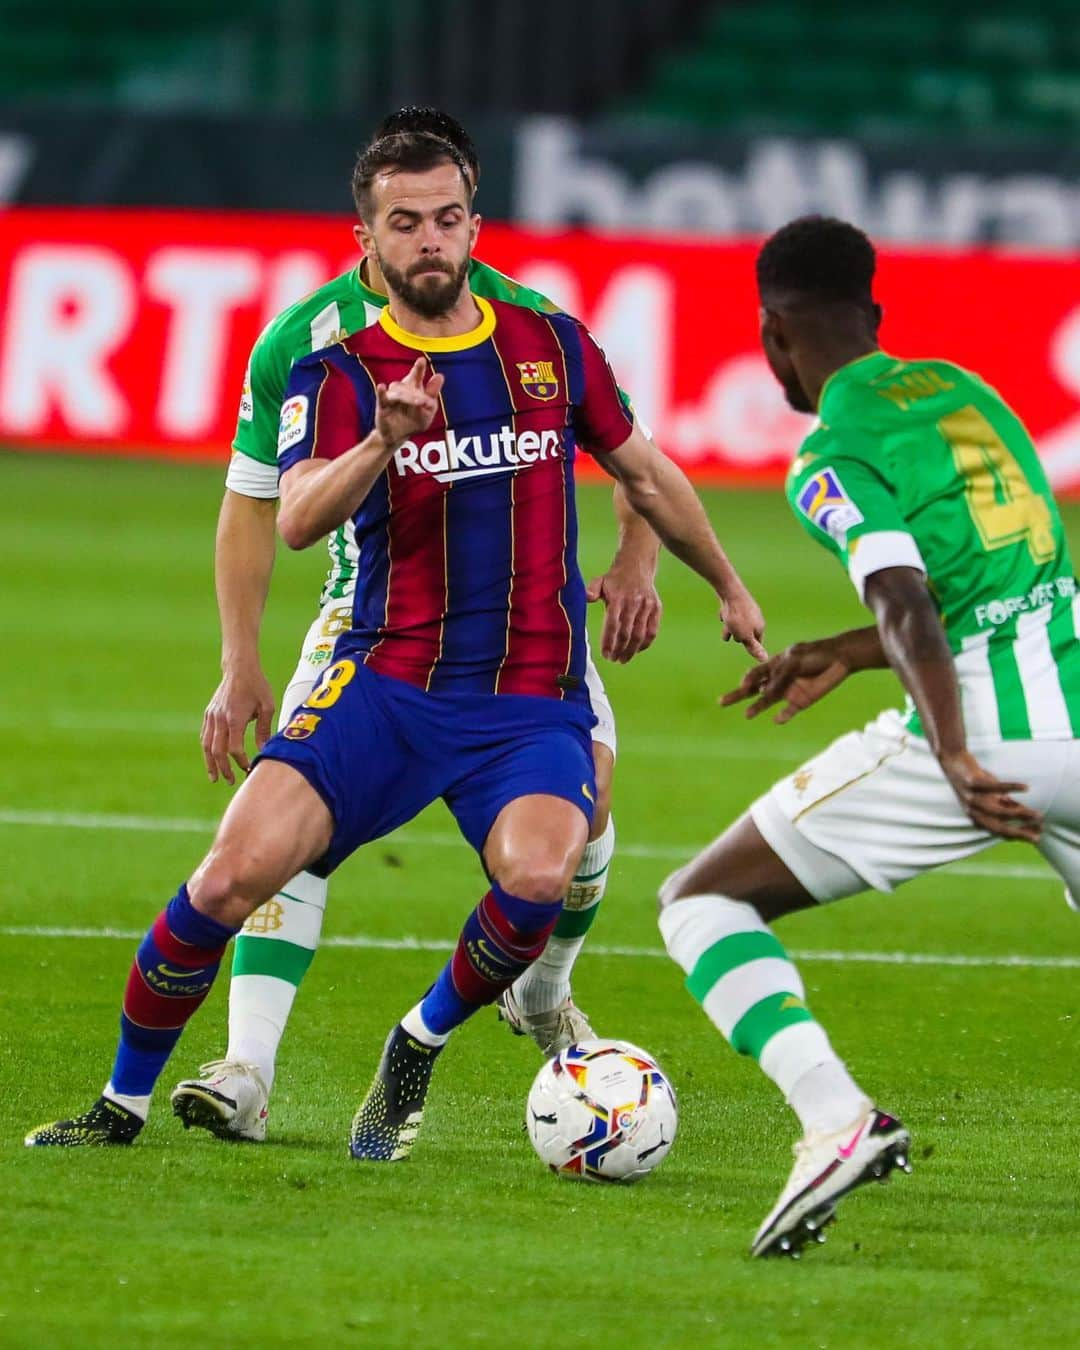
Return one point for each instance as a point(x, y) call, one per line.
point(433, 296)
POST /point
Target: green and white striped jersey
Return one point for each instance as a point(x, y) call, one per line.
point(344, 305)
point(922, 464)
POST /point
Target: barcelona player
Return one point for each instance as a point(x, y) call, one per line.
point(927, 488)
point(274, 951)
point(447, 433)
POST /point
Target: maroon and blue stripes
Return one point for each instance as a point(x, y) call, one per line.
point(468, 578)
point(501, 938)
point(173, 971)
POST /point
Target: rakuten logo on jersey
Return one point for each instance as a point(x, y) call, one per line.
point(474, 456)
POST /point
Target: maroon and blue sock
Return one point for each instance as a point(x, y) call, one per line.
point(502, 937)
point(171, 975)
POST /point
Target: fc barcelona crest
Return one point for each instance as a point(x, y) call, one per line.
point(538, 379)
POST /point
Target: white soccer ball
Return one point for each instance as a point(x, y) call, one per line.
point(602, 1111)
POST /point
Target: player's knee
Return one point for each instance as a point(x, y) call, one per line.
point(541, 880)
point(228, 885)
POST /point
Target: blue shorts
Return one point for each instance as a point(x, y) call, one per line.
point(378, 750)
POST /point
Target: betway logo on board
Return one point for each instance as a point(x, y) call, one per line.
point(458, 457)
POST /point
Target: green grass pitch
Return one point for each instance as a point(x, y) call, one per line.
point(109, 654)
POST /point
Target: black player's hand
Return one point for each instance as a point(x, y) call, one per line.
point(989, 801)
point(802, 674)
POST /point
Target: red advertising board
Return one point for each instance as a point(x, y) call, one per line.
point(128, 331)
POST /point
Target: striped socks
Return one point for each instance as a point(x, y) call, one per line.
point(173, 971)
point(546, 983)
point(501, 937)
point(740, 974)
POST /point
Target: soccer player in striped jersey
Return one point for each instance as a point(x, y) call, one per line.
point(447, 433)
point(926, 487)
point(273, 953)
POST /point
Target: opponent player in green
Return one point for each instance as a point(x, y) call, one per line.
point(927, 488)
point(275, 949)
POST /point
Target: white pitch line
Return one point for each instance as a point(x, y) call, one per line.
point(414, 944)
point(79, 820)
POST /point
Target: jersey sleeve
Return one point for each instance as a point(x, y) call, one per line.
point(849, 507)
point(321, 416)
point(602, 419)
point(253, 468)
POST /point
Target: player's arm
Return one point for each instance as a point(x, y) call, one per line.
point(805, 672)
point(916, 647)
point(660, 492)
point(243, 563)
point(628, 588)
point(319, 494)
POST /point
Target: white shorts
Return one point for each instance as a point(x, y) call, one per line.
point(336, 617)
point(874, 809)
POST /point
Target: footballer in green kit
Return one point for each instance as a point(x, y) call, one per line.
point(274, 950)
point(926, 487)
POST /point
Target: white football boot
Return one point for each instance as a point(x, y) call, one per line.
point(827, 1166)
point(229, 1100)
point(552, 1031)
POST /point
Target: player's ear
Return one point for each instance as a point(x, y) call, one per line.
point(879, 314)
point(364, 238)
point(773, 328)
point(474, 230)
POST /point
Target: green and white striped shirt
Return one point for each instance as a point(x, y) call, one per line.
point(922, 464)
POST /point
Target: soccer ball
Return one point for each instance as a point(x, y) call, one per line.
point(602, 1111)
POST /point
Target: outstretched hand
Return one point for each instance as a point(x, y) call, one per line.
point(405, 407)
point(802, 674)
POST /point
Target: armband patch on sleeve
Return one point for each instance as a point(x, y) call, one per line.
point(293, 424)
point(824, 502)
point(247, 403)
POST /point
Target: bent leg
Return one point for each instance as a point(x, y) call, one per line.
point(540, 1001)
point(530, 856)
point(713, 918)
point(274, 949)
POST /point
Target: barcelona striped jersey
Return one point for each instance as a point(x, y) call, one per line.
point(467, 574)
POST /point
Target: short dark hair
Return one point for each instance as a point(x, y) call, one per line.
point(435, 122)
point(404, 152)
point(818, 257)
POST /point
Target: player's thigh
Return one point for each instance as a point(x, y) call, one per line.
point(531, 748)
point(355, 743)
point(274, 826)
point(604, 731)
point(872, 810)
point(316, 653)
point(1052, 771)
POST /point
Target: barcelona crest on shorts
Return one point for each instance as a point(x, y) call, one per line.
point(538, 379)
point(301, 726)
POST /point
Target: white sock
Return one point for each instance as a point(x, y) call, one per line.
point(546, 983)
point(750, 990)
point(138, 1106)
point(259, 1007)
point(419, 1030)
point(271, 957)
